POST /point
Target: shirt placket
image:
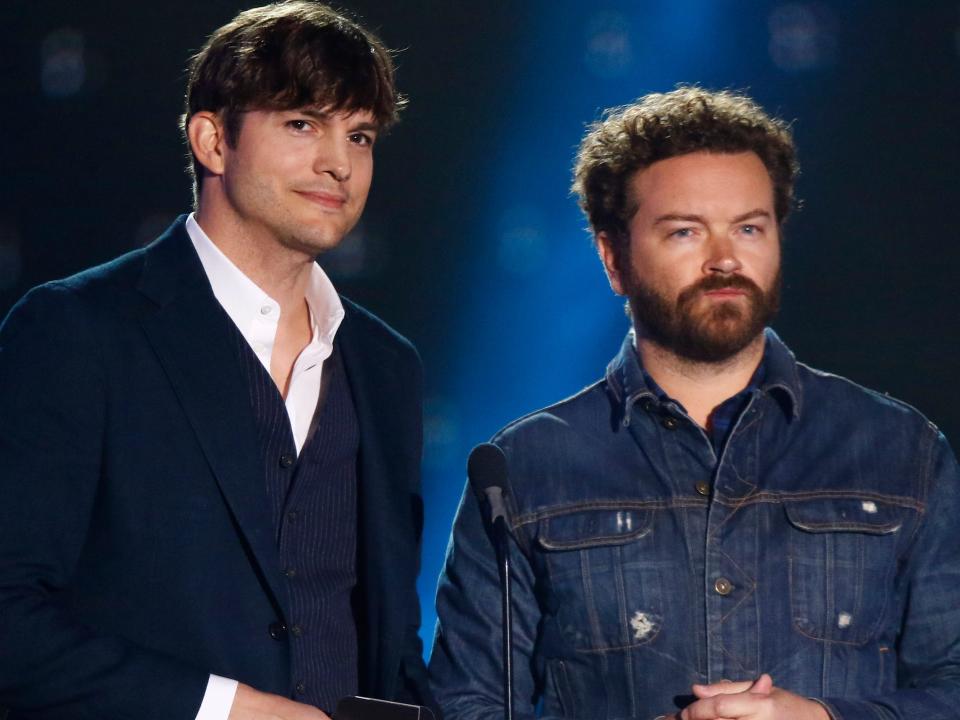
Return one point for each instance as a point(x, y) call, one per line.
point(731, 558)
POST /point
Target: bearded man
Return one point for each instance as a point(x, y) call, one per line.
point(713, 530)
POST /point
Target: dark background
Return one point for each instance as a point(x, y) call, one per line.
point(471, 245)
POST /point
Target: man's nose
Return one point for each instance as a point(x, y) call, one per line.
point(721, 256)
point(333, 158)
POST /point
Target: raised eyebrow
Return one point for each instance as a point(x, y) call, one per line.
point(753, 214)
point(313, 112)
point(323, 116)
point(365, 127)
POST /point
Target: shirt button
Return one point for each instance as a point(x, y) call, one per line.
point(703, 488)
point(670, 423)
point(301, 688)
point(277, 630)
point(296, 631)
point(723, 586)
point(266, 310)
point(286, 460)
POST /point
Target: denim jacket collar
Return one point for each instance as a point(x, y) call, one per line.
point(626, 383)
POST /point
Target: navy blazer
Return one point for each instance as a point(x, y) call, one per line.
point(137, 554)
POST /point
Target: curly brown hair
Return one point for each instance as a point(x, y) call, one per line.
point(663, 125)
point(289, 55)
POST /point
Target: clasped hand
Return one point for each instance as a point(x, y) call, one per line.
point(749, 700)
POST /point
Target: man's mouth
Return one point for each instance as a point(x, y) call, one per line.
point(331, 200)
point(727, 292)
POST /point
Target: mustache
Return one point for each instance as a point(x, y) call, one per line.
point(720, 282)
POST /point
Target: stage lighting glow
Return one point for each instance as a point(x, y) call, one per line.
point(609, 53)
point(802, 36)
point(64, 65)
point(441, 432)
point(523, 248)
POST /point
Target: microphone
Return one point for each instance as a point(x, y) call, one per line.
point(487, 471)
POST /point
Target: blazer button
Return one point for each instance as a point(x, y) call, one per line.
point(277, 630)
point(286, 461)
point(301, 688)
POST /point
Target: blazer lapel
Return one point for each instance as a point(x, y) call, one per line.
point(192, 337)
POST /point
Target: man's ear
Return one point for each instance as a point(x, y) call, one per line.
point(207, 140)
point(608, 256)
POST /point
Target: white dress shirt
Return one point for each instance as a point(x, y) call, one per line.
point(257, 316)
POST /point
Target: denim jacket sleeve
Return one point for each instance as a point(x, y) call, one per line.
point(466, 663)
point(928, 649)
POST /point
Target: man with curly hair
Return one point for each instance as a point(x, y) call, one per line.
point(713, 530)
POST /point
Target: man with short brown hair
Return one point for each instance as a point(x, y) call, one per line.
point(209, 460)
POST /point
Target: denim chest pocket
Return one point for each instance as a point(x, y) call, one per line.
point(842, 557)
point(605, 591)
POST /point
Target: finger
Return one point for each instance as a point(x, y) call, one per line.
point(763, 685)
point(724, 687)
point(724, 706)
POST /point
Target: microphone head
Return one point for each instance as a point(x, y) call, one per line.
point(487, 468)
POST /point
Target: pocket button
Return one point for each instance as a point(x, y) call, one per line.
point(723, 586)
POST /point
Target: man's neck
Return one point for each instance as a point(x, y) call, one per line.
point(699, 386)
point(282, 273)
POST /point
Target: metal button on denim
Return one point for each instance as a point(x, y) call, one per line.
point(670, 423)
point(723, 586)
point(703, 487)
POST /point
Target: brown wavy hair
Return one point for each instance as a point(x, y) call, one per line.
point(663, 125)
point(288, 55)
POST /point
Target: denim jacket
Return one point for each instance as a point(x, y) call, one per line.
point(822, 546)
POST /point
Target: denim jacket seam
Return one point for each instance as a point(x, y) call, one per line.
point(598, 541)
point(786, 497)
point(535, 516)
point(923, 490)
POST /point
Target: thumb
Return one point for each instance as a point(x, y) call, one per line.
point(723, 687)
point(762, 686)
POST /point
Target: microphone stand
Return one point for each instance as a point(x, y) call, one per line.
point(487, 471)
point(503, 560)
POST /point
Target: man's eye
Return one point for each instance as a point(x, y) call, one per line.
point(682, 233)
point(298, 125)
point(361, 139)
point(751, 230)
